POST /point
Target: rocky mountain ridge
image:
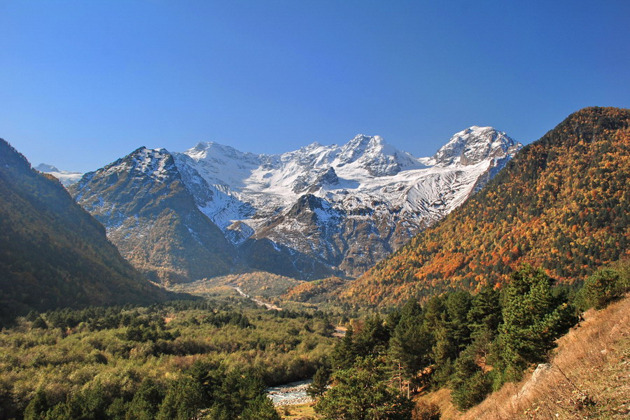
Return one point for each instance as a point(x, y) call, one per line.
point(310, 213)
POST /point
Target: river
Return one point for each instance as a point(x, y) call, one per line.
point(293, 393)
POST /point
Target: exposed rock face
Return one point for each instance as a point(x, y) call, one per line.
point(310, 213)
point(152, 218)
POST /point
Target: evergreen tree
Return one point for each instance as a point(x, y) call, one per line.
point(444, 346)
point(145, 402)
point(362, 392)
point(39, 323)
point(183, 400)
point(469, 385)
point(532, 320)
point(345, 351)
point(411, 344)
point(320, 382)
point(485, 312)
point(600, 289)
point(457, 307)
point(261, 408)
point(372, 339)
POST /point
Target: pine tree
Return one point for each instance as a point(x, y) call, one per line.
point(146, 401)
point(410, 345)
point(362, 392)
point(485, 312)
point(469, 385)
point(261, 408)
point(345, 351)
point(532, 320)
point(601, 288)
point(182, 401)
point(320, 382)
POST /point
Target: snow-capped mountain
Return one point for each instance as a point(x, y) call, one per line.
point(152, 218)
point(474, 145)
point(316, 211)
point(66, 178)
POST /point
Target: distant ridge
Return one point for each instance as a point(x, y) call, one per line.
point(65, 177)
point(52, 252)
point(562, 203)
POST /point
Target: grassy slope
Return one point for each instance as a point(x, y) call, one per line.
point(592, 362)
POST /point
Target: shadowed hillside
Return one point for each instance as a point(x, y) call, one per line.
point(52, 252)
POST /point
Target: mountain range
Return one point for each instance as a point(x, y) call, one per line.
point(562, 204)
point(311, 213)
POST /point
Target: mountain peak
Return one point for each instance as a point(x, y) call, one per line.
point(155, 163)
point(44, 167)
point(373, 154)
point(475, 144)
point(213, 151)
point(66, 178)
point(361, 142)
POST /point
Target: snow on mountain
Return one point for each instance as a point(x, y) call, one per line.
point(475, 144)
point(319, 210)
point(372, 197)
point(65, 177)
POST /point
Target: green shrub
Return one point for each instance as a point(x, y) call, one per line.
point(601, 288)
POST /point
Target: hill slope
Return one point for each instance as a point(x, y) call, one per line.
point(562, 203)
point(586, 378)
point(52, 252)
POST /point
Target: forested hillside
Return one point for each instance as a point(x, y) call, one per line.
point(562, 204)
point(52, 252)
point(468, 344)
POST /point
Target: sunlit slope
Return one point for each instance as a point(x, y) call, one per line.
point(562, 203)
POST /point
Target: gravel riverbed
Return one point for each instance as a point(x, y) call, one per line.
point(293, 393)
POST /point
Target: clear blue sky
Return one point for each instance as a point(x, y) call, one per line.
point(85, 82)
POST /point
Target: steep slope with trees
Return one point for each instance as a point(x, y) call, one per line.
point(562, 204)
point(52, 252)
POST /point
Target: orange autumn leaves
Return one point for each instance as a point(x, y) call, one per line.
point(562, 204)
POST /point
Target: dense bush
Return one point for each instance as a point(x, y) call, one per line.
point(603, 287)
